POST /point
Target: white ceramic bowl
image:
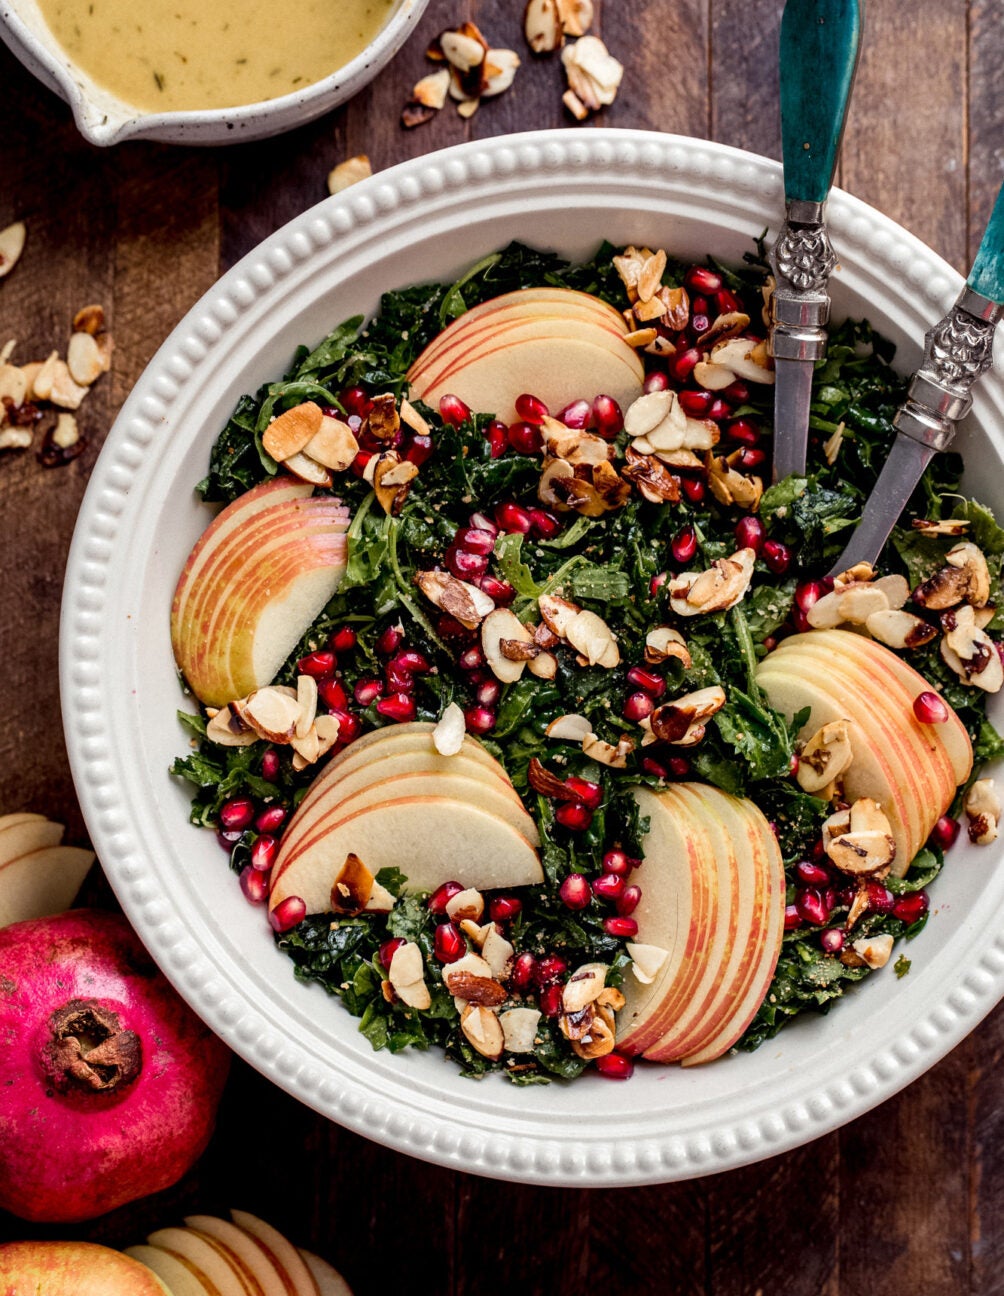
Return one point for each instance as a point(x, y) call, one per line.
point(103, 119)
point(425, 219)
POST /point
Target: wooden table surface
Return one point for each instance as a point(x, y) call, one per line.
point(907, 1199)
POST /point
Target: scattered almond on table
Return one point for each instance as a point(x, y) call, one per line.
point(349, 172)
point(471, 71)
point(11, 246)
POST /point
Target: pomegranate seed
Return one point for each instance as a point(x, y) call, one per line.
point(388, 949)
point(270, 765)
point(800, 621)
point(448, 944)
point(608, 887)
point(551, 968)
point(911, 908)
point(808, 593)
point(499, 591)
point(736, 393)
point(475, 541)
point(699, 324)
point(349, 726)
point(389, 641)
point(479, 719)
point(465, 566)
point(792, 918)
point(694, 489)
point(577, 414)
point(830, 898)
point(607, 416)
point(651, 683)
point(945, 831)
point(398, 706)
point(812, 907)
point(550, 1001)
point(727, 302)
point(777, 556)
point(743, 431)
point(614, 1066)
point(332, 693)
point(497, 436)
point(656, 381)
point(236, 814)
point(530, 409)
point(471, 658)
point(618, 862)
point(398, 681)
point(679, 766)
point(343, 640)
point(512, 518)
point(263, 853)
point(930, 708)
point(753, 457)
point(505, 908)
point(355, 401)
point(720, 409)
point(627, 902)
point(441, 897)
point(481, 522)
point(545, 524)
point(287, 914)
point(367, 691)
point(832, 940)
point(524, 971)
point(254, 884)
point(656, 583)
point(695, 403)
point(488, 694)
point(420, 449)
point(638, 707)
point(812, 875)
point(270, 819)
point(750, 533)
point(699, 279)
point(453, 410)
point(623, 927)
point(574, 891)
point(319, 665)
point(880, 898)
point(698, 305)
point(589, 793)
point(651, 766)
point(574, 816)
point(684, 545)
point(525, 438)
point(682, 365)
point(411, 661)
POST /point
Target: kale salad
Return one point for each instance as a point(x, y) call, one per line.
point(585, 513)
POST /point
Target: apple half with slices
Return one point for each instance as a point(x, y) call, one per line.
point(400, 804)
point(258, 576)
point(558, 344)
point(75, 1269)
point(911, 769)
point(713, 908)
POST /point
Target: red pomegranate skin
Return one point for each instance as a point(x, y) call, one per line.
point(84, 1130)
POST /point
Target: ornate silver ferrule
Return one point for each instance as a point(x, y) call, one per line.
point(802, 260)
point(957, 351)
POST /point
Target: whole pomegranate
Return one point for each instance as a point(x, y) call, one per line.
point(110, 1083)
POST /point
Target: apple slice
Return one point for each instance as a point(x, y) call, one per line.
point(29, 835)
point(180, 1276)
point(557, 370)
point(329, 1281)
point(430, 839)
point(42, 882)
point(191, 1248)
point(247, 596)
point(9, 820)
point(241, 1244)
point(281, 1252)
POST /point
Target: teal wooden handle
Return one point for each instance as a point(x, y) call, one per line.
point(819, 52)
point(987, 274)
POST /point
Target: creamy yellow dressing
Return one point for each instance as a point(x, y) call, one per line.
point(165, 55)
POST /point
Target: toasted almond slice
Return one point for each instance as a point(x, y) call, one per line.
point(432, 90)
point(557, 613)
point(646, 960)
point(307, 469)
point(742, 357)
point(672, 721)
point(288, 434)
point(497, 952)
point(11, 246)
point(857, 603)
point(467, 107)
point(349, 172)
point(650, 277)
point(391, 480)
point(569, 728)
point(899, 629)
point(482, 1030)
point(519, 1029)
point(575, 105)
point(983, 809)
point(13, 384)
point(64, 391)
point(83, 359)
point(646, 413)
point(466, 904)
point(641, 338)
point(306, 696)
point(406, 965)
point(333, 445)
point(554, 470)
point(308, 748)
point(466, 602)
point(326, 727)
point(271, 711)
point(450, 731)
point(591, 636)
point(946, 526)
point(542, 26)
point(583, 987)
point(463, 51)
point(543, 666)
point(875, 950)
point(228, 730)
point(895, 588)
point(663, 642)
point(89, 319)
point(500, 71)
point(470, 964)
point(41, 383)
point(12, 438)
point(825, 757)
point(502, 624)
point(411, 418)
point(416, 114)
point(576, 16)
point(614, 755)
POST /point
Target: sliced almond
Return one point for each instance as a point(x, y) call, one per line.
point(228, 730)
point(306, 696)
point(576, 16)
point(450, 731)
point(12, 438)
point(983, 809)
point(462, 50)
point(727, 325)
point(84, 359)
point(519, 1029)
point(411, 418)
point(469, 903)
point(63, 390)
point(380, 901)
point(406, 965)
point(271, 711)
point(500, 71)
point(646, 961)
point(308, 748)
point(501, 625)
point(11, 246)
point(874, 950)
point(720, 587)
point(497, 952)
point(391, 480)
point(557, 613)
point(970, 559)
point(646, 413)
point(899, 629)
point(613, 754)
point(662, 643)
point(326, 727)
point(89, 319)
point(542, 26)
point(742, 357)
point(945, 526)
point(432, 90)
point(301, 465)
point(583, 986)
point(825, 757)
point(555, 470)
point(13, 384)
point(466, 602)
point(543, 666)
point(592, 71)
point(575, 105)
point(482, 1031)
point(41, 383)
point(288, 434)
point(591, 636)
point(349, 172)
point(650, 277)
point(971, 653)
point(673, 721)
point(569, 728)
point(334, 444)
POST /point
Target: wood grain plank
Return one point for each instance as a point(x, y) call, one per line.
point(986, 1135)
point(665, 52)
point(745, 108)
point(986, 115)
point(651, 1240)
point(905, 145)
